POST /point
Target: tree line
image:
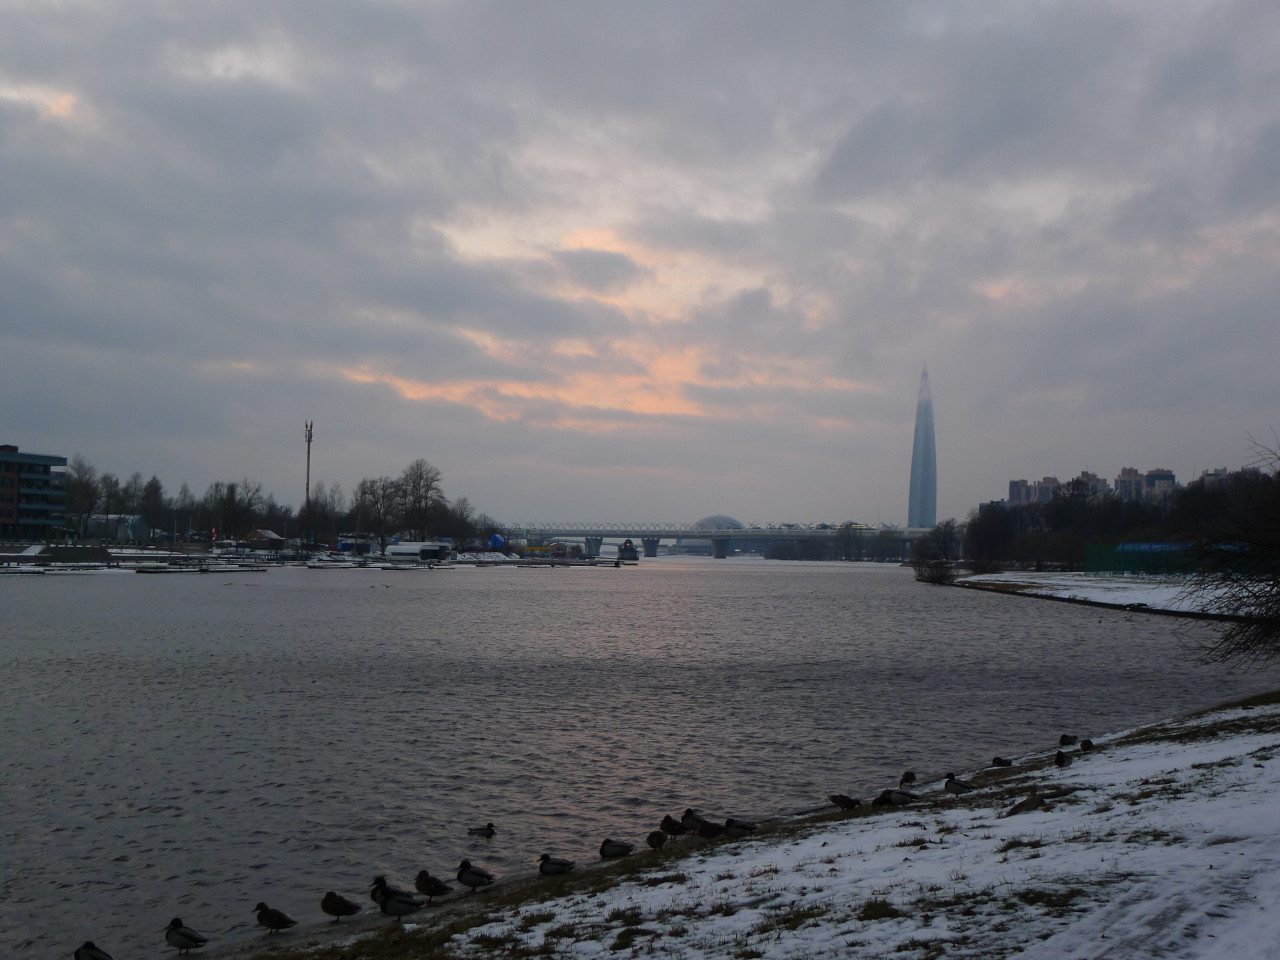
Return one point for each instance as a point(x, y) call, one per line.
point(1225, 535)
point(1057, 534)
point(411, 504)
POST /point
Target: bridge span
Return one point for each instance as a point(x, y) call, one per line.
point(650, 535)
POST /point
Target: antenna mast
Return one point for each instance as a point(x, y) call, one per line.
point(307, 492)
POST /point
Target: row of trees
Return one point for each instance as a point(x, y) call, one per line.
point(1056, 534)
point(1227, 534)
point(412, 505)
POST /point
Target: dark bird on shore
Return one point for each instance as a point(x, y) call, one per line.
point(1067, 740)
point(337, 906)
point(1062, 759)
point(1086, 745)
point(906, 780)
point(691, 820)
point(955, 785)
point(673, 827)
point(183, 937)
point(844, 802)
point(1033, 801)
point(550, 866)
point(656, 839)
point(399, 907)
point(1001, 762)
point(710, 830)
point(893, 798)
point(429, 886)
point(610, 849)
point(486, 831)
point(274, 920)
point(381, 890)
point(88, 951)
point(393, 902)
point(737, 829)
point(472, 876)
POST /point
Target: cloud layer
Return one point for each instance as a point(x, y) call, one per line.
point(644, 262)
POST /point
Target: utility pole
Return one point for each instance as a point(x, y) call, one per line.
point(307, 491)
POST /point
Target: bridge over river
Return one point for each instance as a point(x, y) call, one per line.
point(650, 535)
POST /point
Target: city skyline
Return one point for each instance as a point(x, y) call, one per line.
point(651, 262)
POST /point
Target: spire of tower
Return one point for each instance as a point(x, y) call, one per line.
point(922, 506)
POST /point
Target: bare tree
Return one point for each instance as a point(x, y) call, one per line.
point(131, 494)
point(184, 507)
point(111, 497)
point(379, 502)
point(83, 492)
point(1236, 567)
point(420, 490)
point(152, 506)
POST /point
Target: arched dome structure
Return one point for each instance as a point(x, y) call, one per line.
point(718, 521)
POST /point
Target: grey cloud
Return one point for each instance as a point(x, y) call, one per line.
point(600, 270)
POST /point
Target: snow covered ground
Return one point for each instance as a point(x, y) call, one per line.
point(1164, 843)
point(1158, 593)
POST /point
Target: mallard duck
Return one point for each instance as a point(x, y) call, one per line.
point(615, 848)
point(183, 937)
point(1033, 801)
point(1001, 762)
point(473, 876)
point(486, 831)
point(844, 802)
point(549, 865)
point(691, 820)
point(1067, 740)
point(673, 827)
point(382, 889)
point(274, 920)
point(430, 886)
point(1086, 745)
point(337, 906)
point(906, 780)
point(955, 785)
point(88, 951)
point(399, 907)
point(737, 829)
point(392, 901)
point(656, 839)
point(1061, 759)
point(709, 830)
point(894, 798)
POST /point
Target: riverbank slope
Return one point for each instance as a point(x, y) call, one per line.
point(1159, 842)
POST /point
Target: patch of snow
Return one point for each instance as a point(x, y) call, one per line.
point(1158, 593)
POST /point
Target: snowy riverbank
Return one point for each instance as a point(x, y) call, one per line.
point(1160, 842)
point(1157, 594)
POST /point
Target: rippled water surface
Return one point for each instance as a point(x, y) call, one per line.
point(189, 745)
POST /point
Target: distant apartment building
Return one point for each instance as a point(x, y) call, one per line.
point(1130, 484)
point(1037, 491)
point(1092, 484)
point(33, 496)
point(1157, 484)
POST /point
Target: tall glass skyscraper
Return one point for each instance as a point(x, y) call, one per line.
point(922, 508)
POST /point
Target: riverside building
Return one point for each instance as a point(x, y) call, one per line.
point(33, 495)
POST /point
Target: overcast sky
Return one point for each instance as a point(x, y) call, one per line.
point(641, 261)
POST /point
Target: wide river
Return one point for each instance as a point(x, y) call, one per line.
point(190, 745)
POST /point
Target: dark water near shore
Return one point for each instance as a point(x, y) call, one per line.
point(190, 745)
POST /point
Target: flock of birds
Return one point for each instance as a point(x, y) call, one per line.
point(953, 785)
point(398, 903)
